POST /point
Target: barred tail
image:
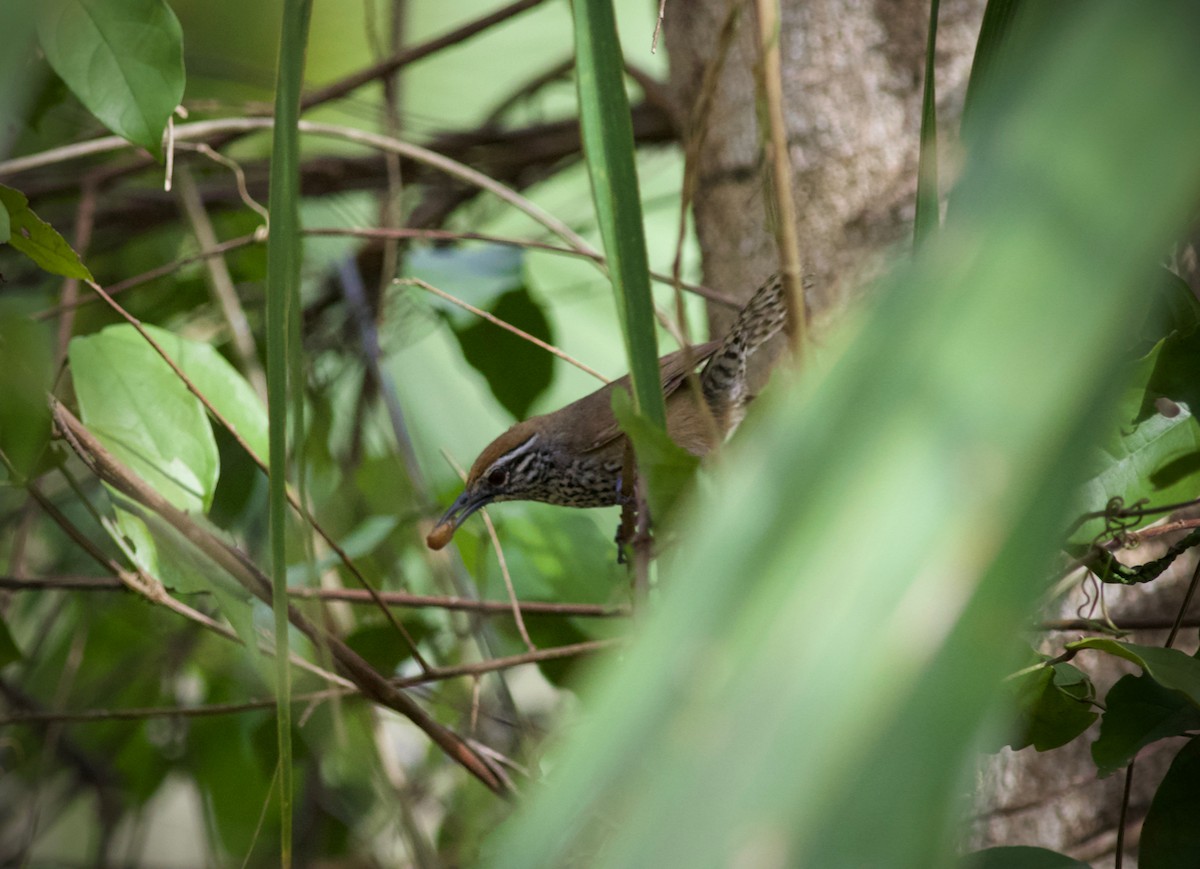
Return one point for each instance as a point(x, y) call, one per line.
point(724, 377)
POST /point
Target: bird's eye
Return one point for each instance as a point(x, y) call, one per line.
point(497, 478)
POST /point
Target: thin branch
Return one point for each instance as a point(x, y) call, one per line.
point(293, 500)
point(588, 647)
point(137, 580)
point(155, 273)
point(476, 669)
point(786, 219)
point(238, 565)
point(452, 235)
point(85, 214)
point(499, 550)
point(496, 321)
point(221, 282)
point(411, 55)
point(1127, 624)
point(356, 596)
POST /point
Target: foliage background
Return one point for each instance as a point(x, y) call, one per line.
point(800, 647)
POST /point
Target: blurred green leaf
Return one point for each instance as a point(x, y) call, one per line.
point(1170, 668)
point(1053, 706)
point(37, 239)
point(1170, 835)
point(140, 410)
point(517, 371)
point(1138, 711)
point(122, 58)
point(235, 780)
point(903, 511)
point(608, 152)
point(28, 372)
point(1019, 857)
point(384, 648)
point(8, 646)
point(477, 274)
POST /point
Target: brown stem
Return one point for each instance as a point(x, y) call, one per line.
point(239, 566)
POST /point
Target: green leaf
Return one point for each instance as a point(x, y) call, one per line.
point(285, 385)
point(1156, 460)
point(1170, 835)
point(1175, 371)
point(222, 384)
point(1170, 668)
point(1053, 707)
point(8, 646)
point(517, 371)
point(37, 239)
point(25, 379)
point(1139, 711)
point(1174, 311)
point(142, 412)
point(382, 647)
point(5, 221)
point(160, 550)
point(122, 58)
point(1019, 857)
point(927, 220)
point(667, 468)
point(608, 151)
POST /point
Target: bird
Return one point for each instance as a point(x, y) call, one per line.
point(574, 456)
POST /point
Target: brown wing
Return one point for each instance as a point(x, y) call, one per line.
point(673, 369)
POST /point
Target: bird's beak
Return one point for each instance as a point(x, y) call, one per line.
point(464, 505)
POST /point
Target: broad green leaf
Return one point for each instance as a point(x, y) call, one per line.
point(5, 222)
point(1170, 668)
point(1053, 707)
point(1170, 835)
point(1019, 857)
point(1175, 371)
point(8, 646)
point(37, 239)
point(1173, 312)
point(608, 151)
point(1139, 711)
point(216, 378)
point(516, 370)
point(25, 378)
point(1156, 459)
point(667, 468)
point(122, 58)
point(810, 687)
point(132, 401)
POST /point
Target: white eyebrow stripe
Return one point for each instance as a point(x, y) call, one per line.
point(513, 454)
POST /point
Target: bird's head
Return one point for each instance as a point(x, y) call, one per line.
point(510, 468)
